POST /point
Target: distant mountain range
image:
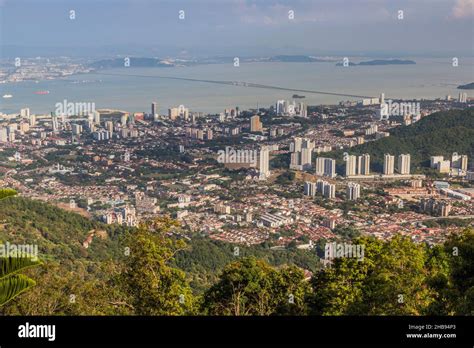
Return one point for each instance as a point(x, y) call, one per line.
point(143, 62)
point(132, 62)
point(467, 86)
point(298, 59)
point(382, 62)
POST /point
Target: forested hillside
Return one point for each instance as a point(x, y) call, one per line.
point(58, 233)
point(441, 133)
point(146, 271)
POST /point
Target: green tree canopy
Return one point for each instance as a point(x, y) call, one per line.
point(252, 287)
point(155, 288)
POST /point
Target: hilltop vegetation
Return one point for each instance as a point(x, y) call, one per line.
point(204, 259)
point(467, 86)
point(58, 233)
point(441, 133)
point(159, 274)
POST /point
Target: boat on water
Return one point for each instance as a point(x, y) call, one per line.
point(7, 96)
point(42, 92)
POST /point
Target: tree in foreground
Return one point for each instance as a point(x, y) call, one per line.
point(252, 287)
point(153, 286)
point(12, 283)
point(399, 277)
point(390, 280)
point(458, 293)
point(75, 289)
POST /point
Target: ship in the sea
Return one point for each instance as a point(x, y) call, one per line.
point(42, 92)
point(296, 96)
point(7, 96)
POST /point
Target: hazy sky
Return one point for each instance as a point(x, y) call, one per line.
point(237, 27)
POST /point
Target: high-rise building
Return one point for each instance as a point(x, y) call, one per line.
point(301, 158)
point(25, 112)
point(462, 97)
point(388, 164)
point(351, 165)
point(463, 163)
point(295, 145)
point(295, 160)
point(363, 164)
point(55, 123)
point(326, 167)
point(329, 190)
point(320, 186)
point(179, 111)
point(3, 135)
point(11, 136)
point(443, 166)
point(123, 120)
point(306, 159)
point(76, 129)
point(281, 107)
point(302, 110)
point(310, 188)
point(32, 120)
point(434, 160)
point(200, 134)
point(264, 163)
point(459, 161)
point(109, 125)
point(291, 109)
point(404, 164)
point(330, 167)
point(24, 126)
point(154, 109)
point(96, 117)
point(101, 135)
point(435, 207)
point(353, 191)
point(255, 124)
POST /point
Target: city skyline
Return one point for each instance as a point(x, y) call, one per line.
point(239, 158)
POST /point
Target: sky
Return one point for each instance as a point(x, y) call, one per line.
point(237, 27)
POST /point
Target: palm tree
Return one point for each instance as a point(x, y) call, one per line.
point(11, 282)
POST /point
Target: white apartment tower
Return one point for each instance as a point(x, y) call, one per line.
point(353, 191)
point(351, 165)
point(264, 163)
point(326, 167)
point(310, 188)
point(404, 164)
point(363, 164)
point(388, 164)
